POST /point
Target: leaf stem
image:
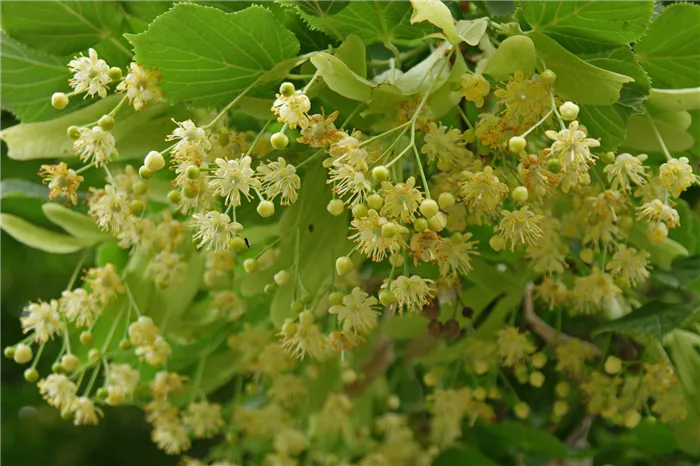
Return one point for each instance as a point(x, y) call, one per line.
point(231, 104)
point(664, 149)
point(257, 137)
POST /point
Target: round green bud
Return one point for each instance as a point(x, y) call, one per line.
point(625, 222)
point(270, 289)
point(86, 337)
point(375, 201)
point(344, 265)
point(632, 418)
point(437, 223)
point(73, 132)
point(210, 278)
point(520, 194)
point(9, 352)
point(360, 210)
point(136, 207)
point(548, 77)
point(287, 89)
point(389, 230)
point(393, 402)
point(31, 375)
point(140, 187)
point(522, 410)
point(125, 345)
point(446, 200)
point(553, 165)
point(429, 208)
point(569, 111)
point(145, 173)
point(174, 196)
point(560, 408)
point(238, 244)
point(59, 100)
point(297, 307)
point(70, 362)
point(154, 161)
point(94, 355)
point(190, 191)
point(586, 255)
point(57, 368)
point(266, 209)
point(23, 354)
point(115, 73)
point(279, 141)
point(192, 172)
point(607, 157)
point(101, 393)
point(380, 173)
point(470, 136)
point(307, 298)
point(562, 389)
point(539, 360)
point(335, 298)
point(251, 265)
point(335, 207)
point(106, 122)
point(386, 297)
point(306, 318)
point(613, 365)
point(517, 144)
point(537, 379)
point(497, 243)
point(282, 278)
point(420, 224)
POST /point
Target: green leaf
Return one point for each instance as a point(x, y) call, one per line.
point(321, 9)
point(684, 272)
point(111, 253)
point(436, 13)
point(77, 224)
point(687, 233)
point(471, 31)
point(15, 187)
point(210, 56)
point(65, 28)
point(140, 14)
point(641, 135)
point(653, 319)
point(463, 455)
point(528, 438)
point(29, 78)
point(577, 80)
point(40, 238)
point(499, 7)
point(607, 122)
point(445, 98)
point(588, 25)
point(662, 255)
point(136, 132)
point(670, 50)
point(404, 327)
point(353, 53)
point(514, 53)
point(340, 78)
point(372, 20)
point(675, 99)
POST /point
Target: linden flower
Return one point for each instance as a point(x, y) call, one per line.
point(629, 265)
point(79, 307)
point(95, 146)
point(290, 442)
point(104, 283)
point(591, 293)
point(320, 131)
point(141, 86)
point(657, 211)
point(287, 390)
point(401, 200)
point(166, 383)
point(475, 88)
point(626, 171)
point(456, 254)
point(482, 192)
point(215, 229)
point(166, 268)
point(412, 294)
point(233, 178)
point(677, 175)
point(292, 110)
point(204, 418)
point(278, 178)
point(370, 239)
point(426, 246)
point(43, 319)
point(62, 181)
point(513, 346)
point(448, 409)
point(671, 407)
point(85, 413)
point(91, 74)
point(572, 147)
point(109, 207)
point(171, 436)
point(143, 332)
point(229, 305)
point(155, 354)
point(520, 227)
point(191, 140)
point(347, 151)
point(304, 337)
point(349, 182)
point(58, 391)
point(552, 292)
point(571, 355)
point(445, 144)
point(121, 382)
point(526, 99)
point(357, 313)
point(548, 257)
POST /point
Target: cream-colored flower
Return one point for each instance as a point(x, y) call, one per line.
point(572, 147)
point(483, 192)
point(204, 418)
point(626, 171)
point(85, 412)
point(58, 391)
point(215, 230)
point(43, 319)
point(280, 178)
point(412, 293)
point(95, 145)
point(191, 140)
point(520, 227)
point(141, 86)
point(401, 200)
point(357, 313)
point(349, 182)
point(233, 178)
point(629, 266)
point(79, 307)
point(91, 74)
point(475, 88)
point(62, 181)
point(677, 175)
point(293, 109)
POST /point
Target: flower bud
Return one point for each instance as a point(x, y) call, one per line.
point(115, 73)
point(386, 297)
point(23, 354)
point(539, 360)
point(569, 111)
point(587, 255)
point(420, 224)
point(190, 191)
point(154, 161)
point(632, 418)
point(446, 200)
point(560, 408)
point(607, 157)
point(522, 410)
point(380, 173)
point(136, 207)
point(73, 132)
point(57, 368)
point(192, 172)
point(145, 173)
point(554, 165)
point(270, 289)
point(344, 265)
point(289, 328)
point(429, 208)
point(307, 298)
point(282, 277)
point(31, 375)
point(437, 222)
point(469, 136)
point(106, 122)
point(349, 377)
point(174, 196)
point(537, 379)
point(59, 100)
point(86, 337)
point(297, 307)
point(613, 365)
point(497, 243)
point(251, 265)
point(266, 209)
point(517, 144)
point(389, 230)
point(279, 141)
point(562, 389)
point(335, 207)
point(287, 89)
point(94, 355)
point(520, 194)
point(360, 210)
point(335, 298)
point(548, 77)
point(9, 352)
point(125, 344)
point(393, 402)
point(238, 244)
point(375, 201)
point(306, 318)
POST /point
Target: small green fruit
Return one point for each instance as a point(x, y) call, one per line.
point(520, 194)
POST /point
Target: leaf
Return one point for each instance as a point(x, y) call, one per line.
point(577, 80)
point(445, 99)
point(499, 7)
point(687, 233)
point(65, 28)
point(372, 20)
point(404, 327)
point(320, 9)
point(15, 187)
point(670, 50)
point(661, 255)
point(135, 133)
point(653, 319)
point(340, 78)
point(532, 440)
point(77, 224)
point(436, 13)
point(515, 53)
point(586, 26)
point(675, 99)
point(111, 253)
point(684, 271)
point(353, 53)
point(29, 78)
point(607, 122)
point(471, 31)
point(463, 455)
point(40, 238)
point(210, 56)
point(641, 135)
